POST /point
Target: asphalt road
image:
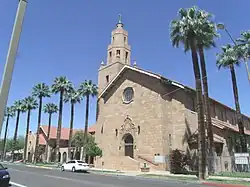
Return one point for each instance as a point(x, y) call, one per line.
point(23, 176)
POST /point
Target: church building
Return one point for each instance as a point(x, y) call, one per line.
point(142, 116)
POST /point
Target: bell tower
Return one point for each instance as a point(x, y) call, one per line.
point(118, 55)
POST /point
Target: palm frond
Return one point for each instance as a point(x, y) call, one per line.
point(88, 88)
point(50, 108)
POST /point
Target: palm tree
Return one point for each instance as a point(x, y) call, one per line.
point(78, 141)
point(244, 45)
point(183, 30)
point(228, 59)
point(206, 33)
point(30, 103)
point(87, 89)
point(19, 107)
point(10, 113)
point(49, 108)
point(61, 85)
point(40, 91)
point(73, 97)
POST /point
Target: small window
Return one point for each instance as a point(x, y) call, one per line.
point(118, 52)
point(116, 132)
point(128, 95)
point(125, 39)
point(113, 39)
point(107, 78)
point(139, 129)
point(170, 139)
point(102, 130)
point(126, 56)
point(110, 54)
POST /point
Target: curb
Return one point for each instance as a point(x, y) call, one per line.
point(43, 167)
point(222, 185)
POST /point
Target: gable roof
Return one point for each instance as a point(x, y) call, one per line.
point(136, 69)
point(159, 77)
point(64, 132)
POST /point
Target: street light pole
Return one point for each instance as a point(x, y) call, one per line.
point(11, 57)
point(222, 27)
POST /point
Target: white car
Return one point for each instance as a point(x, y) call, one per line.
point(75, 165)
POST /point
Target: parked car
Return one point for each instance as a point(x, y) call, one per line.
point(75, 165)
point(4, 176)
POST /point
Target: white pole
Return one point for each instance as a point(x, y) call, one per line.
point(10, 60)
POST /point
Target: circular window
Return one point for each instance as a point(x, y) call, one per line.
point(128, 95)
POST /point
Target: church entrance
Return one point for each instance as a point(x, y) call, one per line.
point(129, 145)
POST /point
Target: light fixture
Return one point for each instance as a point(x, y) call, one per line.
point(221, 26)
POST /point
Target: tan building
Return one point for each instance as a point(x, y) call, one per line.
point(43, 139)
point(141, 115)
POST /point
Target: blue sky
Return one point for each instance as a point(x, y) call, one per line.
point(71, 37)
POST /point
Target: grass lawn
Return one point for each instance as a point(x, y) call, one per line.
point(245, 183)
point(234, 174)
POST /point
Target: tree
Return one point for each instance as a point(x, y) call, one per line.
point(61, 85)
point(78, 140)
point(49, 108)
point(73, 96)
point(19, 107)
point(206, 33)
point(87, 89)
point(228, 59)
point(30, 103)
point(183, 30)
point(20, 143)
point(88, 144)
point(10, 113)
point(244, 48)
point(91, 147)
point(40, 91)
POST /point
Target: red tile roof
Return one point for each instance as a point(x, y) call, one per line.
point(92, 129)
point(64, 131)
point(42, 140)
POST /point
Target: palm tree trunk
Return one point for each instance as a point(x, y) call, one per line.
point(86, 125)
point(211, 148)
point(243, 141)
point(247, 69)
point(15, 136)
point(36, 159)
point(48, 136)
point(5, 137)
point(27, 136)
point(59, 126)
point(200, 111)
point(71, 130)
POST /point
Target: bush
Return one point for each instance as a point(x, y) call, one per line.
point(178, 162)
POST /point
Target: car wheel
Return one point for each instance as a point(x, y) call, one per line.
point(73, 169)
point(62, 168)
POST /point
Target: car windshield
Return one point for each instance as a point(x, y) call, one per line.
point(1, 167)
point(79, 161)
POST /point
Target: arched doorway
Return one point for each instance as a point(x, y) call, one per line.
point(64, 157)
point(71, 155)
point(59, 157)
point(129, 145)
point(29, 157)
point(78, 155)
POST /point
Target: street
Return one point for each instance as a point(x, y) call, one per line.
point(23, 176)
